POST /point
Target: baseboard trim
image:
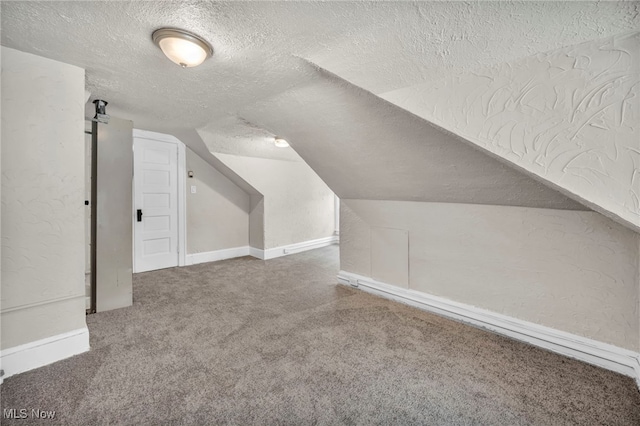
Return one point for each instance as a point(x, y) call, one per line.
point(256, 252)
point(581, 348)
point(212, 256)
point(43, 352)
point(42, 303)
point(272, 253)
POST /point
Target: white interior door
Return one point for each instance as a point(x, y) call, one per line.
point(156, 204)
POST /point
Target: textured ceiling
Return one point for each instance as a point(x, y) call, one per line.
point(570, 116)
point(263, 52)
point(385, 153)
point(379, 46)
point(240, 137)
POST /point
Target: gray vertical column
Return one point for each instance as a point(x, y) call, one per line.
point(113, 266)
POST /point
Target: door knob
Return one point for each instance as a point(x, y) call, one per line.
point(139, 213)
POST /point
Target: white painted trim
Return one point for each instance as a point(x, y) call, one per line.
point(182, 205)
point(336, 214)
point(163, 137)
point(256, 252)
point(212, 256)
point(272, 253)
point(182, 192)
point(43, 352)
point(41, 303)
point(591, 351)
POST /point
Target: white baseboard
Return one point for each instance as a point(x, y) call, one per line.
point(256, 252)
point(212, 256)
point(272, 253)
point(591, 351)
point(43, 352)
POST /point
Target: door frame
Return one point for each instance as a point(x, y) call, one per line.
point(182, 193)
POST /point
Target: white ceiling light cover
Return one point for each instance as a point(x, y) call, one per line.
point(281, 143)
point(181, 47)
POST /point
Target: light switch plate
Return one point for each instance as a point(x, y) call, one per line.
point(193, 189)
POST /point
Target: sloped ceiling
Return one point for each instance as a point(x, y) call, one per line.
point(367, 148)
point(237, 136)
point(570, 116)
point(378, 46)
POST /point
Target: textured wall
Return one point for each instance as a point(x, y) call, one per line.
point(569, 270)
point(355, 242)
point(571, 116)
point(218, 213)
point(42, 198)
point(256, 222)
point(298, 206)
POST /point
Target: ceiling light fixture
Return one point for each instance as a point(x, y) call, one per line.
point(280, 143)
point(182, 47)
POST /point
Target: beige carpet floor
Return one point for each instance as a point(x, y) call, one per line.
point(249, 342)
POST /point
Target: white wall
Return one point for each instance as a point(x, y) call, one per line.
point(256, 222)
point(573, 271)
point(298, 205)
point(218, 213)
point(571, 116)
point(42, 198)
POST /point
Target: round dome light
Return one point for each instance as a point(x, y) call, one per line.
point(281, 143)
point(181, 47)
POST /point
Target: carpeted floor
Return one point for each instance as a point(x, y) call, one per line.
point(250, 342)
